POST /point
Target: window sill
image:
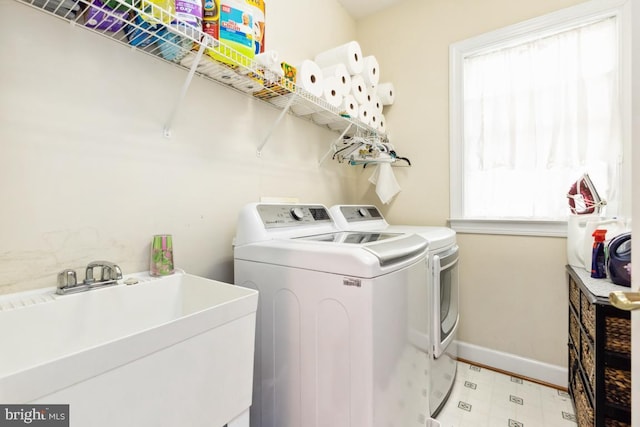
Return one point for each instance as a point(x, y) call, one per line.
point(513, 227)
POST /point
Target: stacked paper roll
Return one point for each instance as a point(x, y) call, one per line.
point(359, 89)
point(270, 60)
point(364, 114)
point(309, 77)
point(378, 104)
point(371, 71)
point(187, 60)
point(206, 66)
point(219, 72)
point(373, 118)
point(349, 106)
point(364, 87)
point(374, 100)
point(333, 97)
point(331, 91)
point(247, 84)
point(382, 124)
point(386, 93)
point(349, 54)
point(342, 74)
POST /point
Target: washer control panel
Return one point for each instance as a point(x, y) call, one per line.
point(279, 216)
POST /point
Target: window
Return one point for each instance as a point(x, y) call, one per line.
point(533, 107)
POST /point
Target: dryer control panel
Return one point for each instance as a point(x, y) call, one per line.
point(279, 216)
point(360, 213)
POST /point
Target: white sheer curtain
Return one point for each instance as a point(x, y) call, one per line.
point(538, 115)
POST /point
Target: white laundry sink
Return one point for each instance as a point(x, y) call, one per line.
point(176, 350)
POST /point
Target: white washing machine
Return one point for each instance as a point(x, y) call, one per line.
point(443, 279)
point(335, 314)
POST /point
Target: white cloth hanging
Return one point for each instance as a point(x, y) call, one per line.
point(385, 181)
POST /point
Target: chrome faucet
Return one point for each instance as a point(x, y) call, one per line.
point(109, 275)
point(110, 272)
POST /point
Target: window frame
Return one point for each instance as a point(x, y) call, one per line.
point(512, 35)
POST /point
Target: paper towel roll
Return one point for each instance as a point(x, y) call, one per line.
point(274, 74)
point(348, 54)
point(386, 93)
point(342, 74)
point(309, 77)
point(364, 114)
point(268, 59)
point(369, 97)
point(377, 104)
point(349, 106)
point(219, 72)
point(382, 124)
point(374, 99)
point(358, 89)
point(189, 58)
point(331, 91)
point(330, 94)
point(247, 84)
point(370, 71)
point(346, 106)
point(374, 117)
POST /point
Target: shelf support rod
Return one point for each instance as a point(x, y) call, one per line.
point(185, 87)
point(276, 123)
point(333, 144)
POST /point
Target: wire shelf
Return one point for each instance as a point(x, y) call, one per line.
point(162, 34)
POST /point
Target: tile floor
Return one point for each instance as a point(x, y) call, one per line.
point(485, 398)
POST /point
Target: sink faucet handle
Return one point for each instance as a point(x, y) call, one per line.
point(67, 279)
point(110, 271)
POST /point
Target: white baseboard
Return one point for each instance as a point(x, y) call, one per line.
point(518, 365)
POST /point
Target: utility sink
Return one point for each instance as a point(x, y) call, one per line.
point(175, 350)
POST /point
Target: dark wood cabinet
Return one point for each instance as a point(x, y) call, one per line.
point(599, 356)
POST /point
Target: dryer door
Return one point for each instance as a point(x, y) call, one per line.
point(445, 301)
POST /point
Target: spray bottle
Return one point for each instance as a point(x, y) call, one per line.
point(598, 270)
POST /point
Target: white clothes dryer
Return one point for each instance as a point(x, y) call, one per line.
point(443, 280)
point(335, 313)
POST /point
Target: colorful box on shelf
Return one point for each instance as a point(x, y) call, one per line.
point(290, 72)
point(284, 86)
point(108, 15)
point(173, 27)
point(231, 23)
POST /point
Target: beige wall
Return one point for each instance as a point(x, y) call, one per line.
point(513, 293)
point(86, 174)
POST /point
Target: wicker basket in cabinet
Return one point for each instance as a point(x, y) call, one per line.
point(599, 357)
